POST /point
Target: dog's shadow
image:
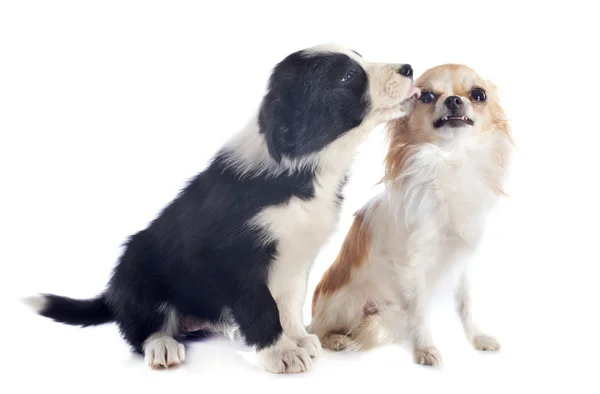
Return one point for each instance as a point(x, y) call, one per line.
point(206, 351)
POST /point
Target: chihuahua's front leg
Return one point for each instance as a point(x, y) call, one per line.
point(478, 339)
point(415, 297)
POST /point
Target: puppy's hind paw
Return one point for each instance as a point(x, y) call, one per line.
point(429, 356)
point(311, 344)
point(163, 352)
point(485, 343)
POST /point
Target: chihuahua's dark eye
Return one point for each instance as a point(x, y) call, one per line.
point(349, 75)
point(427, 97)
point(478, 94)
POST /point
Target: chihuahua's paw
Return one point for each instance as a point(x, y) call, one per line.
point(337, 342)
point(485, 343)
point(428, 356)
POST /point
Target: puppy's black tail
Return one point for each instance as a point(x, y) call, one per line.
point(65, 310)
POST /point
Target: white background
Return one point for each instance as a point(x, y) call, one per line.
point(107, 108)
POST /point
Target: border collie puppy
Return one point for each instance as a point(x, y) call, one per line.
point(235, 247)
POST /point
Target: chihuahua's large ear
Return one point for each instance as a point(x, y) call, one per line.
point(275, 122)
point(497, 111)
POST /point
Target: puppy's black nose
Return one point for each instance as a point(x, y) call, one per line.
point(453, 103)
point(406, 70)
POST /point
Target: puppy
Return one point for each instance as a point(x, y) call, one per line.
point(234, 248)
point(445, 169)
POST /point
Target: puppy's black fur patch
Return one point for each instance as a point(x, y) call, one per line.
point(199, 257)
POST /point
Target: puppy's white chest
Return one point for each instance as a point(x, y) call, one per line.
point(307, 222)
point(308, 219)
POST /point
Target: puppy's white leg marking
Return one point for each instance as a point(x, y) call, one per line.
point(478, 339)
point(161, 350)
point(415, 297)
point(290, 313)
point(285, 357)
point(288, 288)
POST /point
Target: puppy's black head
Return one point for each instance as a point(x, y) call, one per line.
point(313, 98)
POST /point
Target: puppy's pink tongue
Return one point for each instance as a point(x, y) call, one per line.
point(415, 91)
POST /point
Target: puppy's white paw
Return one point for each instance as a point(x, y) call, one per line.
point(312, 344)
point(285, 357)
point(485, 343)
point(163, 352)
point(428, 356)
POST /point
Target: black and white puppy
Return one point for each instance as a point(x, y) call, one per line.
point(236, 245)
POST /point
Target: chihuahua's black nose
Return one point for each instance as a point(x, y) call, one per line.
point(453, 103)
point(406, 70)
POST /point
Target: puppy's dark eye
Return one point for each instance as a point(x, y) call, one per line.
point(478, 94)
point(427, 97)
point(349, 75)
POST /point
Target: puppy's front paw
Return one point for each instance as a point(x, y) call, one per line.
point(289, 360)
point(429, 356)
point(311, 344)
point(485, 343)
point(163, 352)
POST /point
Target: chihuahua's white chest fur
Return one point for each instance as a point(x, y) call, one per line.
point(438, 208)
point(447, 187)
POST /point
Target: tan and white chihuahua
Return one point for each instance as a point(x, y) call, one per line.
point(445, 170)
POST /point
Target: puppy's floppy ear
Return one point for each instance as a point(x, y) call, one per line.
point(275, 122)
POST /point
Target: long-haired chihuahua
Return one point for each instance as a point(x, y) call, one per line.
point(444, 171)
